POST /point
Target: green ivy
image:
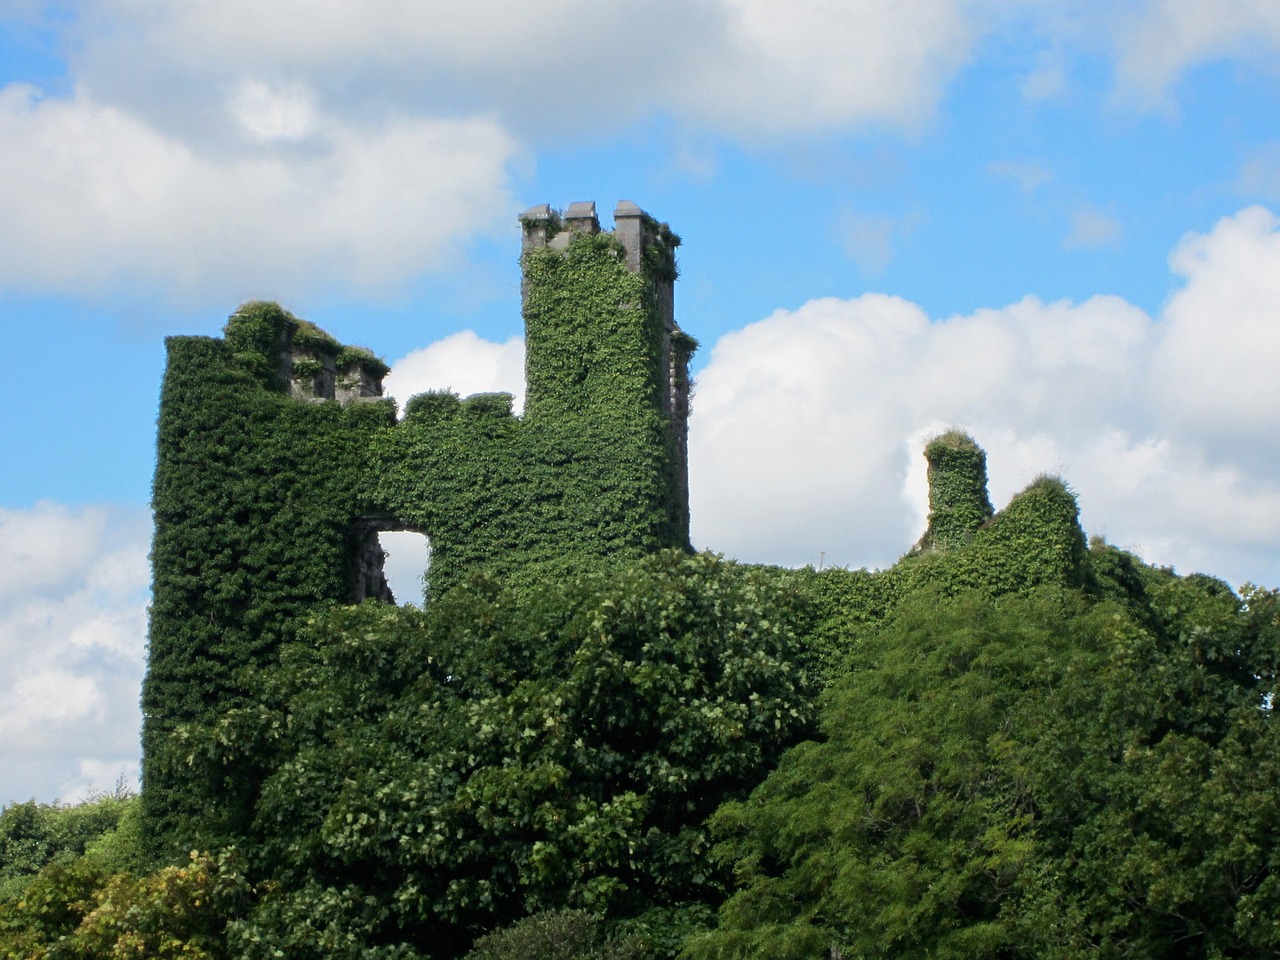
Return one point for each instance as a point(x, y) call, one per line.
point(254, 499)
point(349, 357)
point(1036, 540)
point(256, 495)
point(586, 474)
point(958, 503)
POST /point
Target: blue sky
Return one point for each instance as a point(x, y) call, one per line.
point(1051, 223)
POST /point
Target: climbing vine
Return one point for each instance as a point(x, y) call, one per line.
point(253, 498)
point(587, 473)
point(259, 497)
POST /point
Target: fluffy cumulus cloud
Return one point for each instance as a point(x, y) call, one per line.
point(259, 147)
point(826, 63)
point(808, 425)
point(746, 66)
point(741, 66)
point(267, 147)
point(1159, 40)
point(73, 595)
point(95, 197)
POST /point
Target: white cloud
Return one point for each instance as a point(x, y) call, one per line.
point(809, 424)
point(1164, 38)
point(250, 148)
point(1215, 372)
point(1049, 77)
point(1090, 228)
point(1260, 172)
point(746, 66)
point(73, 641)
point(267, 114)
point(96, 777)
point(49, 698)
point(870, 239)
point(825, 63)
point(1028, 175)
point(44, 545)
point(462, 363)
point(94, 198)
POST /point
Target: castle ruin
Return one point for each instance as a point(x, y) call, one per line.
point(279, 461)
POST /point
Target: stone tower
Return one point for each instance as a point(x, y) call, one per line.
point(648, 251)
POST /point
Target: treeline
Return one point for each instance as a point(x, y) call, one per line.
point(1009, 745)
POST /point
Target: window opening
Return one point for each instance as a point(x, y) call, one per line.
point(405, 565)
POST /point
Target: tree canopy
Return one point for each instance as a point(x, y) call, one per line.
point(1044, 775)
point(411, 778)
point(1024, 747)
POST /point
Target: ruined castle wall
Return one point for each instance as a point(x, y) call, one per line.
point(594, 468)
point(256, 496)
point(277, 464)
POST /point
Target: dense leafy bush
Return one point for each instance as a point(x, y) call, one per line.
point(1035, 776)
point(421, 777)
point(557, 935)
point(78, 911)
point(34, 835)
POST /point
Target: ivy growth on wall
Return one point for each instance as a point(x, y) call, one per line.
point(266, 493)
point(254, 498)
point(1036, 540)
point(586, 474)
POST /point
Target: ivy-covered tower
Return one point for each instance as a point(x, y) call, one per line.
point(278, 462)
point(573, 362)
point(595, 469)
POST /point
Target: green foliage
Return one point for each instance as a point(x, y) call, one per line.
point(958, 503)
point(349, 357)
point(257, 497)
point(254, 499)
point(1038, 776)
point(587, 473)
point(52, 905)
point(429, 775)
point(898, 834)
point(557, 935)
point(178, 912)
point(1036, 540)
point(1028, 747)
point(304, 369)
point(34, 835)
point(77, 911)
point(255, 335)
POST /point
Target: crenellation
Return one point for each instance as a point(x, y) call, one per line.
point(579, 219)
point(539, 223)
